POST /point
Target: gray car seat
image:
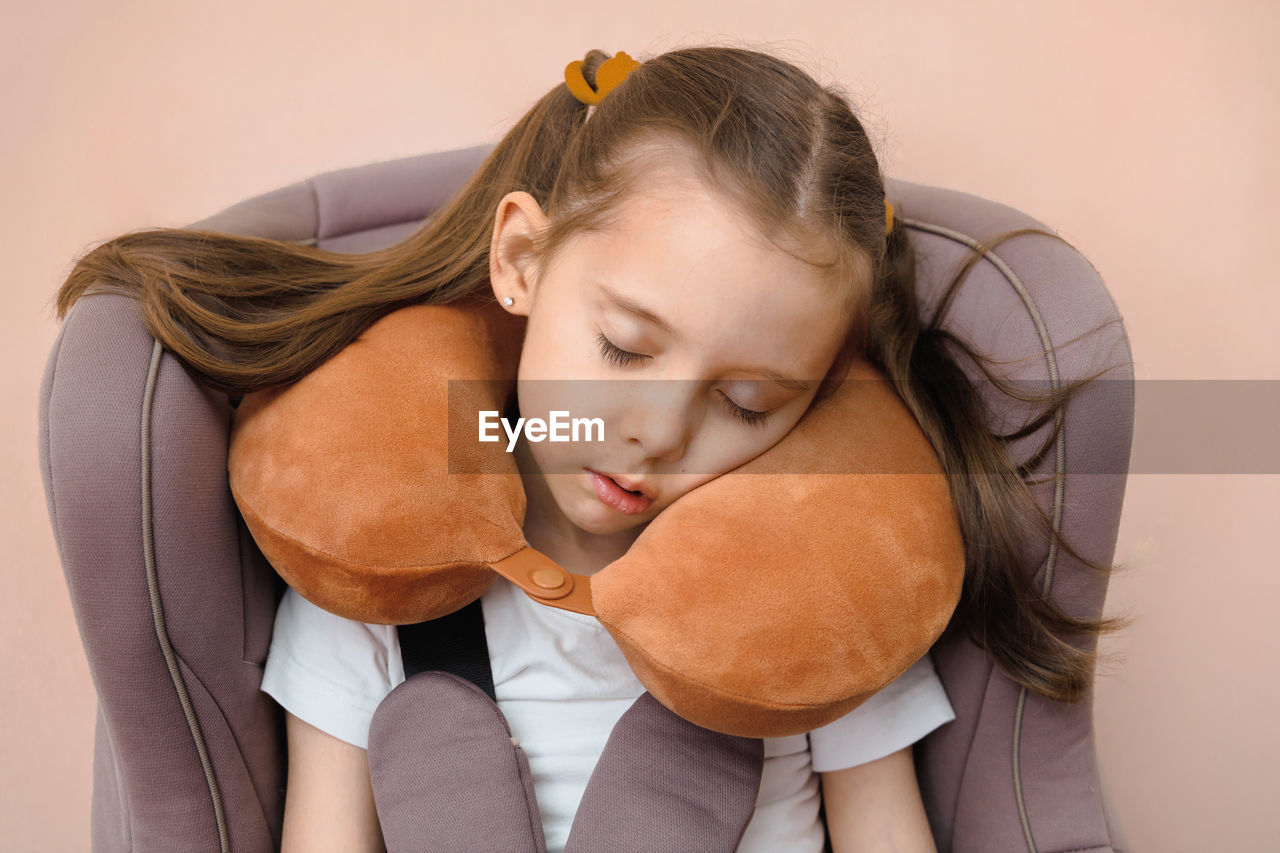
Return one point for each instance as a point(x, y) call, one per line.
point(175, 603)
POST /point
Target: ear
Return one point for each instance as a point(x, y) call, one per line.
point(512, 270)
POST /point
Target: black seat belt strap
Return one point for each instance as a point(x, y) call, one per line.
point(453, 643)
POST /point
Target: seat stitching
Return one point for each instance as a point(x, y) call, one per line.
point(1051, 362)
point(157, 607)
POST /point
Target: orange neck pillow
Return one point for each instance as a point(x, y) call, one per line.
point(746, 623)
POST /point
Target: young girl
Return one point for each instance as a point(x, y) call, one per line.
point(712, 215)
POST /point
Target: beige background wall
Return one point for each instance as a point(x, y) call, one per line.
point(1145, 132)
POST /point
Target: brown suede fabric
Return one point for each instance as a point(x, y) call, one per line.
point(764, 603)
point(342, 477)
point(788, 599)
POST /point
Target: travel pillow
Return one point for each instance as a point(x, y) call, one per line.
point(766, 602)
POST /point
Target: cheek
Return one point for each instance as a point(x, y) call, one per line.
point(552, 458)
point(743, 444)
point(535, 360)
point(559, 348)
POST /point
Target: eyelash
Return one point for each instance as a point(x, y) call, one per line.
point(623, 358)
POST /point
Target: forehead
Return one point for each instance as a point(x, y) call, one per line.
point(736, 299)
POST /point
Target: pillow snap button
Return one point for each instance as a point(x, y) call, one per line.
point(548, 578)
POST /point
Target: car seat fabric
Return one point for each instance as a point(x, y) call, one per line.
point(333, 673)
point(697, 792)
point(174, 602)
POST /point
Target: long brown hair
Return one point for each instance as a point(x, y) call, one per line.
point(244, 313)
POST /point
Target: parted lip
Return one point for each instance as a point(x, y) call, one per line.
point(631, 485)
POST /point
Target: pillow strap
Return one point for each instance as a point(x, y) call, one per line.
point(453, 643)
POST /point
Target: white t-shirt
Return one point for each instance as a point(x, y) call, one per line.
point(562, 683)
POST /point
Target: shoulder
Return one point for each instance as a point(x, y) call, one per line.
point(307, 631)
point(896, 716)
point(330, 671)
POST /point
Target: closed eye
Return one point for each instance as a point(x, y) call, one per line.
point(622, 357)
point(750, 417)
point(616, 355)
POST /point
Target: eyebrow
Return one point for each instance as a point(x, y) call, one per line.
point(629, 304)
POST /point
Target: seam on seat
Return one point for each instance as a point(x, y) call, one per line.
point(48, 434)
point(1051, 362)
point(192, 678)
point(319, 206)
point(242, 563)
point(314, 239)
point(157, 609)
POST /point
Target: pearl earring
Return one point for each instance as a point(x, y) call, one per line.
point(508, 301)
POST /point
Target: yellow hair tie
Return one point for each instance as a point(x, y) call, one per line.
point(888, 216)
point(610, 74)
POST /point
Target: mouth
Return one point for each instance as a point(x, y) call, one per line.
point(615, 492)
point(633, 486)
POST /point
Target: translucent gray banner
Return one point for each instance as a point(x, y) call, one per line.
point(1112, 427)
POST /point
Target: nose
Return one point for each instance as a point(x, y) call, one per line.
point(659, 416)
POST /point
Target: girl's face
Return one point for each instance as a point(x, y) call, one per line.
point(701, 309)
